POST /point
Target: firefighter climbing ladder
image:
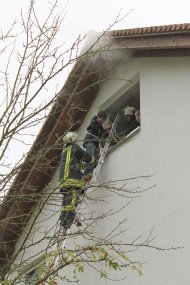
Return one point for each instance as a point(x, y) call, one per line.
point(61, 243)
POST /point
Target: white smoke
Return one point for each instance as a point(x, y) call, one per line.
point(101, 45)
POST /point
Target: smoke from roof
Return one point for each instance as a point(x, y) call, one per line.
point(101, 45)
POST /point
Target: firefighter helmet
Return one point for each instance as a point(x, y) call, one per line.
point(70, 137)
point(129, 110)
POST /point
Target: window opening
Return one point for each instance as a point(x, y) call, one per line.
point(128, 106)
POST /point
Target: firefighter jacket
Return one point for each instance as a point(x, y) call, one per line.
point(71, 166)
point(95, 131)
point(132, 126)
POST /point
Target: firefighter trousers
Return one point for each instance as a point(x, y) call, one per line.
point(71, 196)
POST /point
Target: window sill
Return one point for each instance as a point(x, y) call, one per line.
point(125, 139)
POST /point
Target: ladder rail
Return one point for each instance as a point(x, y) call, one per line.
point(104, 151)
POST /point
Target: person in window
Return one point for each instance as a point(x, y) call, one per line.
point(124, 122)
point(134, 123)
point(92, 138)
point(71, 177)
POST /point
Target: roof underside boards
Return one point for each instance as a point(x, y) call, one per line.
point(159, 40)
point(155, 42)
point(44, 157)
point(68, 112)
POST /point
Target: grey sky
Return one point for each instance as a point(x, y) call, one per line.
point(84, 15)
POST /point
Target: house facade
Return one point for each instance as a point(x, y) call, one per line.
point(140, 200)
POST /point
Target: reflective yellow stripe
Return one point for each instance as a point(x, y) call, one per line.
point(73, 182)
point(92, 160)
point(68, 208)
point(71, 207)
point(74, 198)
point(67, 162)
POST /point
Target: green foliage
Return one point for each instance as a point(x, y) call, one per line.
point(103, 274)
point(96, 254)
point(6, 282)
point(137, 267)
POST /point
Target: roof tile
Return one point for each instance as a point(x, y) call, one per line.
point(152, 29)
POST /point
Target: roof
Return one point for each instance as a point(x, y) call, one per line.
point(80, 90)
point(153, 30)
point(155, 40)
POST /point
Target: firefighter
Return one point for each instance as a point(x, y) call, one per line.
point(71, 177)
point(124, 122)
point(134, 123)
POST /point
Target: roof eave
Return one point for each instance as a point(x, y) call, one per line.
point(174, 40)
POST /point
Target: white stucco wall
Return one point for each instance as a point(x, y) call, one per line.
point(159, 150)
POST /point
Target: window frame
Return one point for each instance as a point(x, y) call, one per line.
point(124, 94)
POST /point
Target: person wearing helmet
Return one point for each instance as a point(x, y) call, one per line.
point(125, 120)
point(71, 177)
point(134, 123)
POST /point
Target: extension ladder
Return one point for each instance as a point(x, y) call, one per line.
point(103, 152)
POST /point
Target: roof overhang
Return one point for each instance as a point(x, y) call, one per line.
point(155, 41)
